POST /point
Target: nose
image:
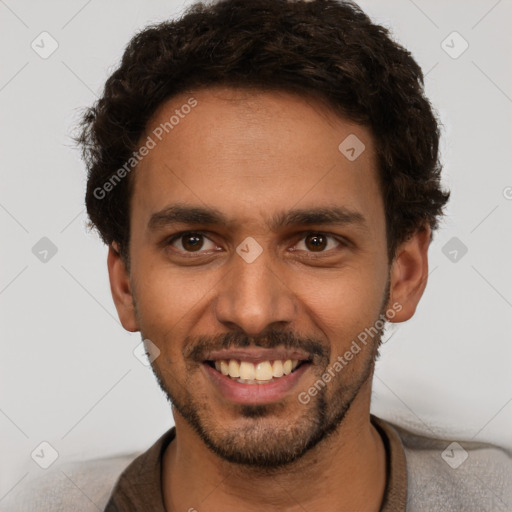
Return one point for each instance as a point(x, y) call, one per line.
point(254, 297)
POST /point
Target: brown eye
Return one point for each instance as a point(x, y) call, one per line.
point(192, 242)
point(319, 242)
point(316, 242)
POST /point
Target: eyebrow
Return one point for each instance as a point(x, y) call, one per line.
point(207, 216)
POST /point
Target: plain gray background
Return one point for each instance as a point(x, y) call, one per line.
point(68, 375)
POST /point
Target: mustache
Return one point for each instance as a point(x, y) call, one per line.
point(197, 348)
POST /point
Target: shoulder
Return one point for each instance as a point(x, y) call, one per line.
point(79, 486)
point(456, 475)
point(85, 486)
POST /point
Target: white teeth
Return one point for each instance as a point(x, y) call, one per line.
point(264, 371)
point(247, 370)
point(224, 367)
point(277, 368)
point(253, 381)
point(249, 373)
point(234, 368)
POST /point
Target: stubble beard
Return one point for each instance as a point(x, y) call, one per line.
point(266, 439)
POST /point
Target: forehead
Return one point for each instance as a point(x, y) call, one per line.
point(252, 154)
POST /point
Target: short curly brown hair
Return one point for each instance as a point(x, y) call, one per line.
point(327, 49)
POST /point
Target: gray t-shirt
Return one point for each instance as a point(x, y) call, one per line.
point(438, 476)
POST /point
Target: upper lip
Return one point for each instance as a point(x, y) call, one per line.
point(257, 355)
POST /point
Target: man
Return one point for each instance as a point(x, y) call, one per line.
point(266, 176)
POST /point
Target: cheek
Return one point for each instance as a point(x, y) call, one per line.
point(170, 301)
point(343, 306)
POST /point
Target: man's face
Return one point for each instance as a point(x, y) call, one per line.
point(270, 282)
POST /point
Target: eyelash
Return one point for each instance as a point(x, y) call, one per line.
point(304, 234)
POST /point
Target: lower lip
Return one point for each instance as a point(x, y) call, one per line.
point(255, 393)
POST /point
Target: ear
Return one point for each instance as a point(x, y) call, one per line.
point(120, 287)
point(409, 273)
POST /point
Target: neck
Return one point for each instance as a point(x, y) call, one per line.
point(346, 472)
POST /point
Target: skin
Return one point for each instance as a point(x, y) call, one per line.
point(252, 155)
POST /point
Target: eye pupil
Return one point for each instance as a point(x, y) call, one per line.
point(192, 242)
point(316, 242)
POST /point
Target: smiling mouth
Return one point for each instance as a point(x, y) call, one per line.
point(264, 372)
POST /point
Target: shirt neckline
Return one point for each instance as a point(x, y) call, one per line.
point(140, 486)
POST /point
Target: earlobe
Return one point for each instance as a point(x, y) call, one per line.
point(409, 273)
point(120, 287)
